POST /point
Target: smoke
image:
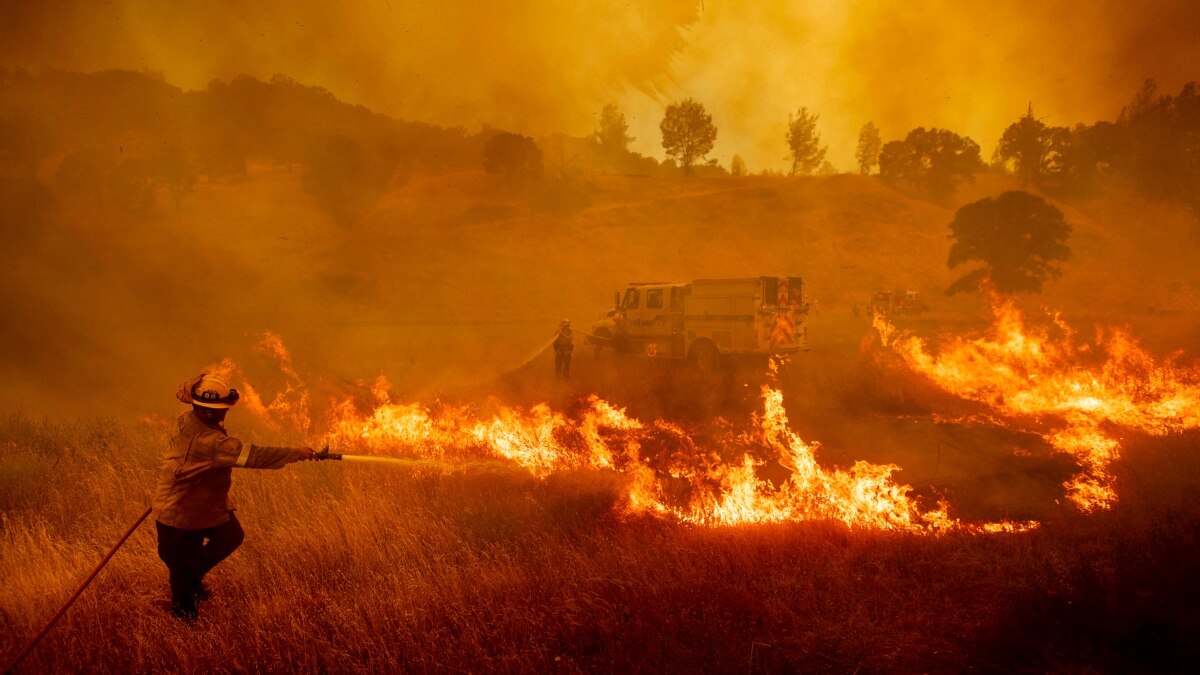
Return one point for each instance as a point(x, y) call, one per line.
point(96, 301)
point(540, 67)
point(970, 67)
point(531, 67)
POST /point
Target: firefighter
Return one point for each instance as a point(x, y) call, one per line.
point(564, 344)
point(194, 515)
point(621, 343)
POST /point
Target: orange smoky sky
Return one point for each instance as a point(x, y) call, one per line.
point(548, 66)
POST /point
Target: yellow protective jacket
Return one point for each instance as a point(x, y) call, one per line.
point(193, 488)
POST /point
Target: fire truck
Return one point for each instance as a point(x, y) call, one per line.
point(708, 321)
point(898, 302)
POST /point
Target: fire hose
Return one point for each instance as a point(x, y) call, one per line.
point(326, 455)
point(75, 596)
point(546, 346)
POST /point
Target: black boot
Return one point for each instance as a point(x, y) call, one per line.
point(185, 610)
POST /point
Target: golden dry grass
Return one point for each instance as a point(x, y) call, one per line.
point(483, 568)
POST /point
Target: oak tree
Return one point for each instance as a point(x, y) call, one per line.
point(515, 157)
point(933, 161)
point(1017, 237)
point(687, 133)
point(1026, 142)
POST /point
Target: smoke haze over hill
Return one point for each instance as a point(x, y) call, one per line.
point(546, 67)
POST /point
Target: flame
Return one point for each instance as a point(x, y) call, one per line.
point(1022, 372)
point(225, 369)
point(290, 407)
point(599, 435)
point(714, 480)
point(272, 345)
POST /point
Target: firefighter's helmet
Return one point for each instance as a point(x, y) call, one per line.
point(213, 391)
point(565, 322)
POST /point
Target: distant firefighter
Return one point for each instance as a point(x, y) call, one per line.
point(194, 515)
point(564, 344)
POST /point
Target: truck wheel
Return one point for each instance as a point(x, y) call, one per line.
point(705, 357)
point(706, 379)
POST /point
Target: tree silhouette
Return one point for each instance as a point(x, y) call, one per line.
point(737, 167)
point(687, 133)
point(613, 133)
point(1017, 236)
point(931, 160)
point(869, 144)
point(804, 143)
point(516, 158)
point(1027, 142)
point(1160, 144)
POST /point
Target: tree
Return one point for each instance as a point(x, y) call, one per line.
point(737, 166)
point(1017, 236)
point(687, 133)
point(515, 157)
point(931, 160)
point(173, 170)
point(804, 143)
point(613, 133)
point(1027, 141)
point(1159, 144)
point(869, 145)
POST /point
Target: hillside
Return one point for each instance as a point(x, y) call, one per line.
point(454, 277)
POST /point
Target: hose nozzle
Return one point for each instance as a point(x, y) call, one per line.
point(326, 454)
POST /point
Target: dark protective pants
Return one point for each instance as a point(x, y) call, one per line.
point(189, 557)
point(562, 361)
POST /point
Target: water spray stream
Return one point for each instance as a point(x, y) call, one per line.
point(425, 463)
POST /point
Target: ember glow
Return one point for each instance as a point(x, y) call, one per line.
point(1086, 393)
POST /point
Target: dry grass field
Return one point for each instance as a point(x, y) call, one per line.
point(483, 568)
point(479, 566)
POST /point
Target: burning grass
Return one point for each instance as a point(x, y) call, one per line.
point(1080, 395)
point(359, 568)
point(710, 475)
point(576, 538)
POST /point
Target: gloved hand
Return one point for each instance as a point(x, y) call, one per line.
point(306, 454)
